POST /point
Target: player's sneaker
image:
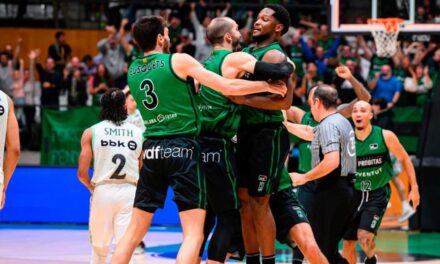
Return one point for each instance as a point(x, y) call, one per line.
point(140, 249)
point(407, 212)
point(372, 260)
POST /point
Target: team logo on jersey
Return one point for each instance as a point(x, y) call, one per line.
point(375, 221)
point(374, 146)
point(262, 179)
point(144, 60)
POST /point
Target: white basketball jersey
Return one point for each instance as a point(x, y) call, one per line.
point(116, 151)
point(4, 111)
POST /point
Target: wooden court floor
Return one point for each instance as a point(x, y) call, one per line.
point(32, 244)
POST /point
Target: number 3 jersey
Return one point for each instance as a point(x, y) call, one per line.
point(374, 167)
point(116, 151)
point(166, 101)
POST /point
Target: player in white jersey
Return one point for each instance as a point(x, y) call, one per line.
point(8, 138)
point(115, 146)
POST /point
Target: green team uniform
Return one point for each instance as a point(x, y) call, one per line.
point(263, 142)
point(374, 170)
point(171, 151)
point(296, 55)
point(220, 119)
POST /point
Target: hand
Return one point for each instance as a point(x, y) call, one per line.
point(65, 73)
point(33, 54)
point(297, 179)
point(390, 105)
point(278, 87)
point(21, 61)
point(228, 6)
point(426, 71)
point(377, 75)
point(344, 72)
point(19, 40)
point(414, 196)
point(193, 6)
point(124, 22)
point(250, 13)
point(110, 29)
point(46, 85)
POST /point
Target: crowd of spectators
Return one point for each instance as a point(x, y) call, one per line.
point(65, 80)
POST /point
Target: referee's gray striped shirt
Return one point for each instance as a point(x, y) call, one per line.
point(334, 133)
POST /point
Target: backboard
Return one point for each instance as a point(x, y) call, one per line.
point(350, 16)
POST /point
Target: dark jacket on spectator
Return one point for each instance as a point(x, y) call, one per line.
point(49, 96)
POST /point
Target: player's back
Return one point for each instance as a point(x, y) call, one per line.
point(4, 110)
point(166, 101)
point(116, 151)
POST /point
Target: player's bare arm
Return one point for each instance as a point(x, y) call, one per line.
point(302, 131)
point(238, 63)
point(271, 102)
point(361, 92)
point(85, 158)
point(12, 153)
point(397, 149)
point(184, 66)
point(329, 163)
point(295, 114)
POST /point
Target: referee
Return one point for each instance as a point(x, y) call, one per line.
point(334, 167)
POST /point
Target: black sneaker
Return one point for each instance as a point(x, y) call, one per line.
point(372, 260)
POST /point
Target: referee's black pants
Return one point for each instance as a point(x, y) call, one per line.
point(332, 211)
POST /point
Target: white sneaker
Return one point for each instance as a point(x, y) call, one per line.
point(407, 212)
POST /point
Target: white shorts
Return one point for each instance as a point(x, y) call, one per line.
point(110, 213)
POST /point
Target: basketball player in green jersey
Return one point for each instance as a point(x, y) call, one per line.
point(374, 171)
point(159, 82)
point(9, 139)
point(262, 141)
point(220, 119)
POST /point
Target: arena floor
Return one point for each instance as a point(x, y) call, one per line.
point(31, 244)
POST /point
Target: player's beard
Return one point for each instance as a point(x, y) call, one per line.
point(236, 44)
point(260, 38)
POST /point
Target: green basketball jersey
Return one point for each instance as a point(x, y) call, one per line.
point(296, 55)
point(255, 116)
point(285, 181)
point(305, 153)
point(220, 116)
point(166, 101)
point(374, 168)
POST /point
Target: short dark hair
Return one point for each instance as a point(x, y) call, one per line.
point(146, 29)
point(217, 29)
point(326, 94)
point(380, 102)
point(282, 15)
point(58, 34)
point(113, 106)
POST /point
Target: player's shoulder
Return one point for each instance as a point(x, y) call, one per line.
point(274, 56)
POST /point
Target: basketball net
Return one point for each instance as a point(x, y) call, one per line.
point(385, 35)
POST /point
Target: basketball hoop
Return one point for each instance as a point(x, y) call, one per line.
point(385, 34)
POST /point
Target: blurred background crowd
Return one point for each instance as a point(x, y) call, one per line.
point(58, 77)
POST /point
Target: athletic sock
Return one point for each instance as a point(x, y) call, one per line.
point(269, 259)
point(253, 258)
